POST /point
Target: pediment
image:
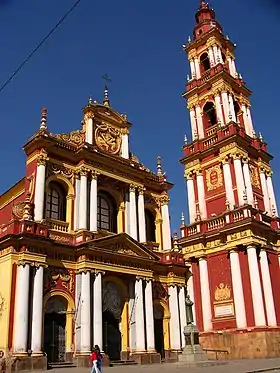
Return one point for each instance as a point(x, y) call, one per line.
point(107, 114)
point(125, 245)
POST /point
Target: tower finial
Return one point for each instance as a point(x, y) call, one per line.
point(106, 101)
point(43, 125)
point(159, 166)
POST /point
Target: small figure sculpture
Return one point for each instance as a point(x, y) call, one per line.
point(189, 311)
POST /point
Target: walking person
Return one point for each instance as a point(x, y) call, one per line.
point(94, 361)
point(99, 358)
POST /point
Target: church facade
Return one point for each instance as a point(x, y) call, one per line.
point(232, 241)
point(86, 255)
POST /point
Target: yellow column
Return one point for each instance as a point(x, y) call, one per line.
point(121, 218)
point(158, 223)
point(124, 326)
point(69, 331)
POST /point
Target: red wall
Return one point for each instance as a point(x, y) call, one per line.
point(219, 272)
point(6, 212)
point(197, 296)
point(246, 283)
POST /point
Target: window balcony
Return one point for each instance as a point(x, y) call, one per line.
point(58, 225)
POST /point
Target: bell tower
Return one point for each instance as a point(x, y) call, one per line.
point(231, 240)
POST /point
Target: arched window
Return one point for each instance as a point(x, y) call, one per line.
point(150, 226)
point(56, 202)
point(106, 213)
point(204, 62)
point(210, 114)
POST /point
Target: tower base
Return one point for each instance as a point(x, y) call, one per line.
point(242, 344)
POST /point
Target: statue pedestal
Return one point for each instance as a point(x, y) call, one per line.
point(192, 351)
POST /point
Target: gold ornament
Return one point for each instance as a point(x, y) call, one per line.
point(108, 138)
point(222, 292)
point(254, 176)
point(214, 178)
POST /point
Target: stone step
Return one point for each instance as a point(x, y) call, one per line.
point(122, 362)
point(62, 365)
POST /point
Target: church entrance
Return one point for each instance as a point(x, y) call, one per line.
point(111, 336)
point(112, 309)
point(158, 328)
point(54, 329)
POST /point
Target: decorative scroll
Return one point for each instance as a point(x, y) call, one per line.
point(108, 138)
point(59, 278)
point(214, 178)
point(74, 137)
point(112, 299)
point(254, 176)
point(122, 249)
point(18, 210)
point(222, 292)
point(59, 169)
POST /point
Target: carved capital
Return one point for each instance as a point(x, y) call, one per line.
point(22, 263)
point(38, 265)
point(225, 159)
point(132, 188)
point(164, 200)
point(94, 174)
point(188, 174)
point(97, 272)
point(124, 131)
point(141, 190)
point(88, 115)
point(42, 158)
point(236, 155)
point(84, 171)
point(246, 160)
point(199, 172)
point(269, 173)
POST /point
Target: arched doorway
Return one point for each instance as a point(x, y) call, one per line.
point(159, 331)
point(113, 303)
point(54, 329)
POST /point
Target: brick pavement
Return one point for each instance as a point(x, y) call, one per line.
point(234, 366)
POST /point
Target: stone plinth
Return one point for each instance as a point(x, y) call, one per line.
point(146, 358)
point(192, 352)
point(243, 344)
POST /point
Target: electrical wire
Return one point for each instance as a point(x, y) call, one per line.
point(31, 54)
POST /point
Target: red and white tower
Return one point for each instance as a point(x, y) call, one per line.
point(232, 238)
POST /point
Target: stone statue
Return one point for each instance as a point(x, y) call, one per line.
point(189, 311)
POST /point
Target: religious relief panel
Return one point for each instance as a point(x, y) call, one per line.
point(255, 180)
point(59, 279)
point(214, 178)
point(108, 138)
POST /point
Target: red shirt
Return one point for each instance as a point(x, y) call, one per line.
point(93, 356)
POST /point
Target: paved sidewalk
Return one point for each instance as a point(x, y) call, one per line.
point(232, 366)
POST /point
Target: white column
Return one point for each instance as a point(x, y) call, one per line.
point(139, 316)
point(200, 129)
point(193, 74)
point(240, 185)
point(220, 57)
point(265, 191)
point(93, 202)
point(77, 202)
point(219, 110)
point(150, 332)
point(191, 197)
point(132, 212)
point(234, 72)
point(211, 56)
point(205, 295)
point(97, 311)
point(201, 194)
point(89, 128)
point(85, 313)
point(166, 232)
point(267, 289)
point(271, 194)
point(127, 214)
point(193, 123)
point(40, 188)
point(21, 309)
point(190, 291)
point(215, 50)
point(256, 289)
point(228, 183)
point(141, 215)
point(83, 201)
point(197, 68)
point(78, 312)
point(231, 105)
point(248, 183)
point(245, 119)
point(37, 311)
point(225, 106)
point(230, 65)
point(250, 121)
point(125, 145)
point(175, 335)
point(237, 287)
point(183, 317)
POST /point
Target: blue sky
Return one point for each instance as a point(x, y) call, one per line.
point(139, 45)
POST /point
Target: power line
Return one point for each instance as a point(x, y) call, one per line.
point(31, 54)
